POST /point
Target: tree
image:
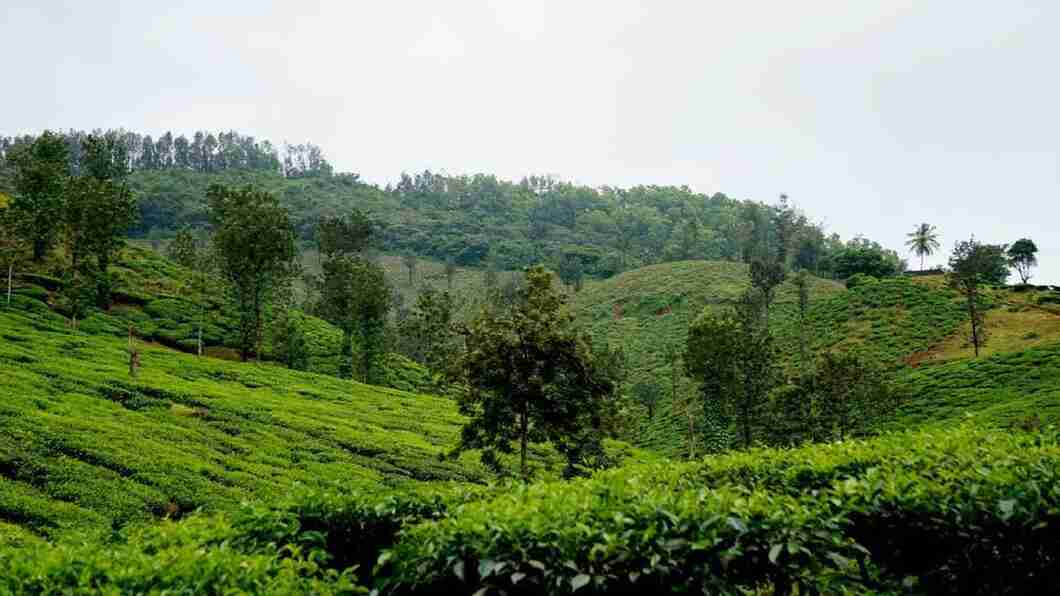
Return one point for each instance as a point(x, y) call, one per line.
point(183, 249)
point(255, 246)
point(12, 247)
point(429, 329)
point(802, 284)
point(732, 357)
point(356, 298)
point(866, 258)
point(98, 215)
point(99, 209)
point(528, 377)
point(1022, 256)
point(409, 261)
point(766, 275)
point(40, 176)
point(973, 265)
point(923, 241)
point(647, 395)
point(450, 273)
point(851, 395)
point(345, 235)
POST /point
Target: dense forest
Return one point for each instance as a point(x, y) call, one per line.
point(475, 220)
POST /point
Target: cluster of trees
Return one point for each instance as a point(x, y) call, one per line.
point(204, 152)
point(747, 396)
point(87, 212)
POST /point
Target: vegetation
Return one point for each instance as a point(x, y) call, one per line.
point(528, 377)
point(128, 466)
point(1022, 256)
point(255, 246)
point(923, 241)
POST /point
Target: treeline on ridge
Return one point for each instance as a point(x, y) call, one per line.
point(474, 220)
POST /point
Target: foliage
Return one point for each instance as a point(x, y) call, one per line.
point(184, 249)
point(732, 359)
point(40, 175)
point(528, 377)
point(428, 333)
point(863, 517)
point(255, 247)
point(923, 241)
point(972, 265)
point(1022, 257)
point(867, 259)
point(85, 448)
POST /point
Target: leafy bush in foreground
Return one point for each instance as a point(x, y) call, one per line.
point(959, 512)
point(196, 556)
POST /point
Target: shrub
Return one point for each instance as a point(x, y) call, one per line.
point(860, 279)
point(953, 512)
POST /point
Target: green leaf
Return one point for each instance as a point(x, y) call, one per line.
point(579, 581)
point(774, 553)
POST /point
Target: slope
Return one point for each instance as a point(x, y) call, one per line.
point(84, 445)
point(646, 313)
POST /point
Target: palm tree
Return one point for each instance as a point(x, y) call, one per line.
point(923, 241)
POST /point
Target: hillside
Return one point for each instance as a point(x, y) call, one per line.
point(157, 300)
point(86, 446)
point(905, 323)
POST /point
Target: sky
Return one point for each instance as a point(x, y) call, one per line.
point(871, 116)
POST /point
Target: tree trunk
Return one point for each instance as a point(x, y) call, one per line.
point(10, 276)
point(39, 248)
point(524, 432)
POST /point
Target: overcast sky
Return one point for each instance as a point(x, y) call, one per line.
point(872, 116)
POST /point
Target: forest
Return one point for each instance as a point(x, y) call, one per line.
point(235, 370)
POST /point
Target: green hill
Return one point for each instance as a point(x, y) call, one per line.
point(904, 323)
point(155, 298)
point(84, 445)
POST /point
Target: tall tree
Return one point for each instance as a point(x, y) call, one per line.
point(39, 181)
point(409, 261)
point(732, 357)
point(100, 208)
point(529, 377)
point(355, 297)
point(802, 284)
point(852, 395)
point(347, 235)
point(429, 332)
point(766, 275)
point(923, 241)
point(1022, 256)
point(371, 303)
point(255, 246)
point(973, 265)
point(12, 247)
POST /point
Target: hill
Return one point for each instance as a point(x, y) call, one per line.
point(156, 299)
point(908, 324)
point(84, 445)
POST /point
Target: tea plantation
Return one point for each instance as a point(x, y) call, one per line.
point(203, 475)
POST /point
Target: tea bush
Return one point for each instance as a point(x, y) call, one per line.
point(962, 511)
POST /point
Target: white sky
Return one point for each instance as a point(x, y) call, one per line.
point(872, 116)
